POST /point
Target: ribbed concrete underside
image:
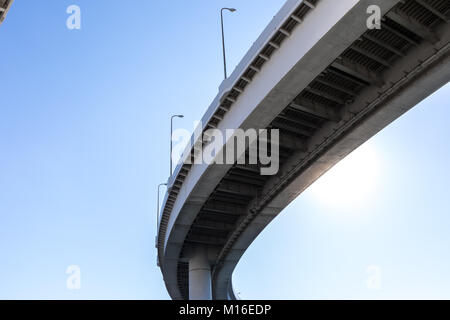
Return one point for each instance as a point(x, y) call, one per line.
point(375, 78)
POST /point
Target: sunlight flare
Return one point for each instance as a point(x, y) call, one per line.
point(352, 182)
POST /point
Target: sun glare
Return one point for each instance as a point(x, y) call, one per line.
point(351, 182)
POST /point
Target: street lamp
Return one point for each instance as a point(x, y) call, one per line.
point(171, 145)
point(157, 206)
point(223, 39)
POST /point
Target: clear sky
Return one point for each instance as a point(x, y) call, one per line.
point(84, 132)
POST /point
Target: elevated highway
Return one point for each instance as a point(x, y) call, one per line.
point(328, 83)
point(4, 8)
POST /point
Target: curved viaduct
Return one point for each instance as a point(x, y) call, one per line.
point(328, 83)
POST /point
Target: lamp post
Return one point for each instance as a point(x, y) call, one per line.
point(223, 39)
point(171, 145)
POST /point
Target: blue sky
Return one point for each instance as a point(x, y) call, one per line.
point(84, 124)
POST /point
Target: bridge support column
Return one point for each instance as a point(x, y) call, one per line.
point(200, 276)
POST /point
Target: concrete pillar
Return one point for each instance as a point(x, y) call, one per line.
point(200, 276)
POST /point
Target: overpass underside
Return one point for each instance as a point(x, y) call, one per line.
point(377, 78)
point(4, 7)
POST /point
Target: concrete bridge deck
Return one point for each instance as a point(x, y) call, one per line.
point(4, 8)
point(328, 83)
